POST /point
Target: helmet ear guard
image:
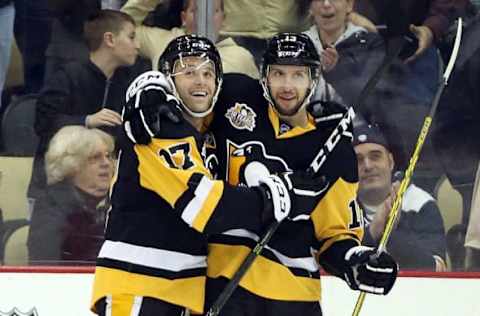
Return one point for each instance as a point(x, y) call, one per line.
point(191, 46)
point(290, 49)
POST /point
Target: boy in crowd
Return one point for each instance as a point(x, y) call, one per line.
point(86, 93)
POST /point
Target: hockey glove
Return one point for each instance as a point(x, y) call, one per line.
point(149, 101)
point(326, 111)
point(292, 195)
point(368, 272)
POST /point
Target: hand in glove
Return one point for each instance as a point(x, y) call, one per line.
point(368, 272)
point(326, 111)
point(292, 195)
point(149, 101)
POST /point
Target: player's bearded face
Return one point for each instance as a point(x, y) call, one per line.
point(288, 85)
point(375, 165)
point(195, 82)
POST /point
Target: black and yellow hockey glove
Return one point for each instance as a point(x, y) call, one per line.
point(149, 101)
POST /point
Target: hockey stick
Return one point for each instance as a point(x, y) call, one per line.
point(316, 164)
point(393, 215)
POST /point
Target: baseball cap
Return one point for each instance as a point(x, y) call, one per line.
point(367, 133)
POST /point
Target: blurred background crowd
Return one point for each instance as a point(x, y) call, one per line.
point(65, 66)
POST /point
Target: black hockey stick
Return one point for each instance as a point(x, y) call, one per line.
point(242, 270)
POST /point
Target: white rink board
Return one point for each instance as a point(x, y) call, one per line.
point(409, 297)
point(68, 294)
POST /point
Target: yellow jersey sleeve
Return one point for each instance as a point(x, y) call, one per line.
point(175, 171)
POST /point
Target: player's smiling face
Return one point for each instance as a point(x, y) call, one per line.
point(331, 15)
point(195, 82)
point(288, 85)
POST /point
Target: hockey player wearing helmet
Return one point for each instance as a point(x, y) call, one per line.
point(266, 128)
point(290, 73)
point(184, 60)
point(151, 263)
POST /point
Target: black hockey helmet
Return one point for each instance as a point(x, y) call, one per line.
point(187, 46)
point(291, 49)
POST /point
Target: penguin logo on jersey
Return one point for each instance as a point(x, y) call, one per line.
point(241, 116)
point(248, 162)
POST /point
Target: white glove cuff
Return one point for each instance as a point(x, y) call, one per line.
point(280, 196)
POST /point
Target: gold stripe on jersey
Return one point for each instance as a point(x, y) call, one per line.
point(234, 164)
point(333, 215)
point(186, 292)
point(122, 305)
point(270, 279)
point(208, 206)
point(157, 174)
point(295, 131)
point(277, 282)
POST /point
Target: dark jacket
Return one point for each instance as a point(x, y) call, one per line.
point(65, 225)
point(392, 104)
point(436, 14)
point(4, 3)
point(419, 236)
point(73, 13)
point(66, 41)
point(457, 122)
point(75, 91)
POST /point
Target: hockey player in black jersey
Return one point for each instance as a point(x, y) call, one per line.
point(153, 261)
point(265, 128)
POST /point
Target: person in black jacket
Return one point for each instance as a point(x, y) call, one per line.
point(66, 41)
point(398, 102)
point(67, 222)
point(427, 21)
point(87, 93)
point(418, 239)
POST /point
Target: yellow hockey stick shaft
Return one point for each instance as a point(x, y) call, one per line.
point(395, 211)
point(392, 217)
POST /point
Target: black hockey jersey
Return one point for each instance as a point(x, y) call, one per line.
point(249, 138)
point(149, 250)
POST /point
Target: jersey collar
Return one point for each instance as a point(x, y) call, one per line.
point(294, 131)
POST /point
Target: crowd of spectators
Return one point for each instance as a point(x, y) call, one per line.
point(79, 56)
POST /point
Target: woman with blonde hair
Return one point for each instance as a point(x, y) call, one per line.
point(67, 222)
